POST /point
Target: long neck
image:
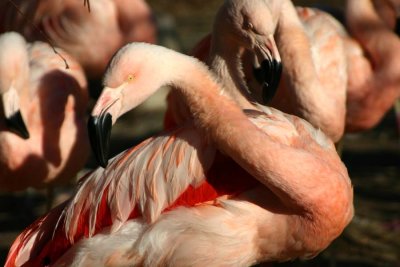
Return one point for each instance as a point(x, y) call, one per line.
point(224, 60)
point(224, 122)
point(299, 71)
point(295, 49)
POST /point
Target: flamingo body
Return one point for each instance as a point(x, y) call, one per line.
point(372, 53)
point(92, 38)
point(370, 46)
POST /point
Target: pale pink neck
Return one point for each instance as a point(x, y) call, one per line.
point(295, 50)
point(224, 122)
point(299, 71)
point(226, 63)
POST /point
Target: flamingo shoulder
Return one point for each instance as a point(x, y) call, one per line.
point(287, 129)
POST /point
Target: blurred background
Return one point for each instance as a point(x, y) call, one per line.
point(372, 158)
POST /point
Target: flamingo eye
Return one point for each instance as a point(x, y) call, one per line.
point(248, 25)
point(130, 78)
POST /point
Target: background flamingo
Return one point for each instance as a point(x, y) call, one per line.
point(305, 90)
point(373, 59)
point(279, 219)
point(93, 37)
point(53, 101)
point(238, 26)
point(371, 47)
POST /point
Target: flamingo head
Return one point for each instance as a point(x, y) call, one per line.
point(251, 25)
point(14, 71)
point(129, 80)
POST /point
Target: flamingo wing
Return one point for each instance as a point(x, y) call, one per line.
point(147, 179)
point(143, 180)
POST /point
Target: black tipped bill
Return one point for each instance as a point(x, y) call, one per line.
point(268, 75)
point(99, 128)
point(16, 124)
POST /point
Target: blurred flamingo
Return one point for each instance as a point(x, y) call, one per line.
point(133, 212)
point(371, 47)
point(373, 61)
point(47, 103)
point(308, 89)
point(92, 38)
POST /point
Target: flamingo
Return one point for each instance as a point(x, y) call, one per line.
point(308, 89)
point(155, 205)
point(238, 26)
point(372, 69)
point(373, 61)
point(92, 38)
point(47, 102)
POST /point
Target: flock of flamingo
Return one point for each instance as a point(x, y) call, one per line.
point(246, 170)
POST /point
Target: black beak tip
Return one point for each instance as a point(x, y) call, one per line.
point(103, 161)
point(99, 128)
point(17, 125)
point(269, 76)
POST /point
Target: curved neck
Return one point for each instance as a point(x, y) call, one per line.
point(295, 50)
point(225, 124)
point(226, 63)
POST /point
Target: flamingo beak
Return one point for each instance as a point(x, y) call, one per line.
point(16, 124)
point(12, 113)
point(103, 116)
point(267, 67)
point(99, 128)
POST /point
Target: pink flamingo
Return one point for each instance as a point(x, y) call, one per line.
point(93, 37)
point(305, 90)
point(53, 102)
point(373, 61)
point(372, 69)
point(133, 213)
point(238, 26)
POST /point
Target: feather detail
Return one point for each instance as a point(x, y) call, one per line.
point(151, 189)
point(30, 243)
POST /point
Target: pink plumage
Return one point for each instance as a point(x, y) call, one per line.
point(169, 212)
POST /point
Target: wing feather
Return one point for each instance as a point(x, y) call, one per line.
point(148, 177)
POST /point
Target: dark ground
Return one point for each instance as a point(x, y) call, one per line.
point(372, 158)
